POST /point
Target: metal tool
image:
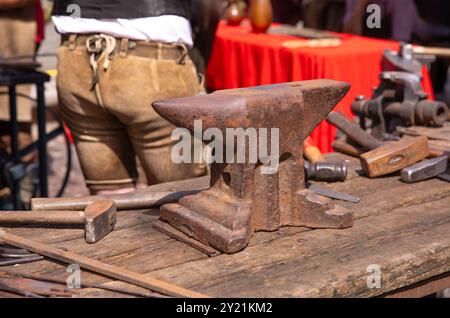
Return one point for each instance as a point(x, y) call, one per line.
point(302, 32)
point(83, 284)
point(425, 169)
point(326, 171)
point(242, 199)
point(98, 267)
point(406, 59)
point(33, 287)
point(139, 199)
point(399, 100)
point(384, 158)
point(332, 193)
point(98, 219)
point(13, 256)
point(445, 176)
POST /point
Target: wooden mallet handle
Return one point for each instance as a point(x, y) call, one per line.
point(39, 217)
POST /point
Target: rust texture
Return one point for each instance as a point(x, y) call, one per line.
point(242, 200)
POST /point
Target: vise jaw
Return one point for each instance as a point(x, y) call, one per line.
point(241, 199)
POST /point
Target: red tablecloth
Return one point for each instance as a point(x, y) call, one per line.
point(241, 58)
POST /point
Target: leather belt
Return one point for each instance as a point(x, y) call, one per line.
point(124, 47)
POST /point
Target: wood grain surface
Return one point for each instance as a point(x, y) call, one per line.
point(402, 228)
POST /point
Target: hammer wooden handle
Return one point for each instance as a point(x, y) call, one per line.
point(342, 146)
point(39, 217)
point(439, 51)
point(311, 151)
point(354, 132)
point(140, 199)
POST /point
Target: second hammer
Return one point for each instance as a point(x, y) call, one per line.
point(99, 219)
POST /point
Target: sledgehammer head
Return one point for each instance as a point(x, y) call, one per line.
point(100, 219)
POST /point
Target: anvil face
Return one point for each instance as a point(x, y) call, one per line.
point(241, 199)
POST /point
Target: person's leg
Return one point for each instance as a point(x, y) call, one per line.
point(105, 153)
point(314, 14)
point(404, 16)
point(335, 16)
point(133, 84)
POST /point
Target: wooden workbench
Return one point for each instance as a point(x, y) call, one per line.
point(402, 228)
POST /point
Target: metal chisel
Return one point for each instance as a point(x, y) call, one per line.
point(332, 194)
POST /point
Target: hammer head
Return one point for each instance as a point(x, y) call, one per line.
point(100, 218)
point(394, 156)
point(425, 169)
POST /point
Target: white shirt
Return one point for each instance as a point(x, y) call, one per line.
point(165, 28)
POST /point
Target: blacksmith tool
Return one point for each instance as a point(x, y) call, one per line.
point(83, 284)
point(383, 158)
point(98, 267)
point(13, 256)
point(332, 193)
point(300, 31)
point(242, 199)
point(342, 145)
point(98, 219)
point(139, 199)
point(425, 169)
point(33, 287)
point(399, 100)
point(445, 176)
point(326, 171)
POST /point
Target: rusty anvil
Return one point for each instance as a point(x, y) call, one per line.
point(242, 200)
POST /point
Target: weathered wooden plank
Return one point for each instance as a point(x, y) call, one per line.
point(409, 244)
point(136, 246)
point(422, 289)
point(387, 197)
point(129, 245)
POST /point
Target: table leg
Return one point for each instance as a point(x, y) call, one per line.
point(14, 142)
point(42, 142)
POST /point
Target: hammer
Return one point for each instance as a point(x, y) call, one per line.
point(98, 219)
point(382, 158)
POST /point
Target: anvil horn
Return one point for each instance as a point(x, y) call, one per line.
point(320, 97)
point(235, 107)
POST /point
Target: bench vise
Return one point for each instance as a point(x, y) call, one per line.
point(241, 199)
point(399, 100)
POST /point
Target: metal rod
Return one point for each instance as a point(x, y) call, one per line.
point(99, 267)
point(85, 285)
point(31, 147)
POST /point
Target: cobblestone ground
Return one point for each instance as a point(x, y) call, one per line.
point(57, 163)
